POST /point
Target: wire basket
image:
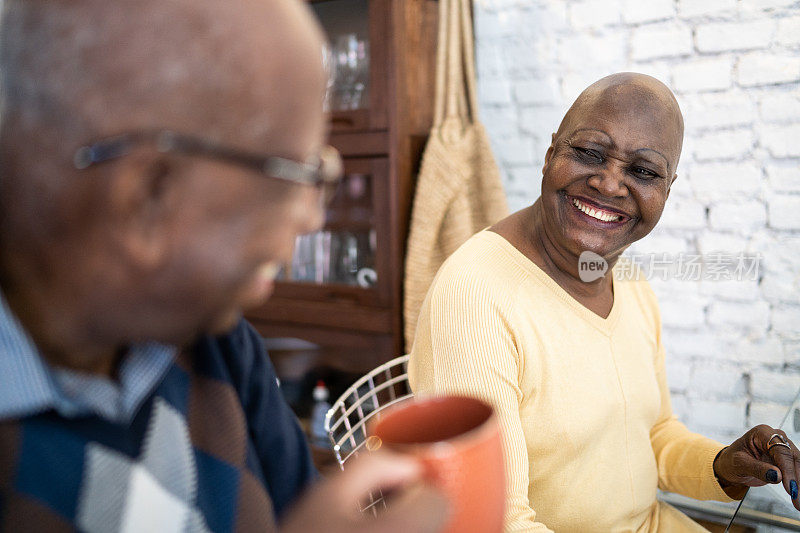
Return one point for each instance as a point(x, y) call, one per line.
point(346, 421)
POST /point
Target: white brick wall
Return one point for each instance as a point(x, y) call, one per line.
point(767, 68)
point(696, 75)
point(733, 346)
point(730, 36)
point(736, 216)
point(666, 39)
point(784, 212)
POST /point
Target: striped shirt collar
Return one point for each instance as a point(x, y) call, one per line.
point(28, 385)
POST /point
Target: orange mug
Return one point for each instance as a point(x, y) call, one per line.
point(457, 439)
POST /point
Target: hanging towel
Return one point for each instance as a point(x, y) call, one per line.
point(459, 191)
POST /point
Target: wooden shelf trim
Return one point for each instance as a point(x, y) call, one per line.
point(336, 314)
point(361, 144)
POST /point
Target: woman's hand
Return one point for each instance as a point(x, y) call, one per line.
point(760, 456)
point(332, 505)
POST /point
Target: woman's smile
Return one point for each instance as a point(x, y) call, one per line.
point(583, 211)
point(598, 211)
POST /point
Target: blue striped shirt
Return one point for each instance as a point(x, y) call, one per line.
point(28, 385)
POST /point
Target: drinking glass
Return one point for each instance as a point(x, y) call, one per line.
point(351, 64)
point(329, 64)
point(303, 260)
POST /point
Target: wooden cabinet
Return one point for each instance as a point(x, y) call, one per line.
point(351, 305)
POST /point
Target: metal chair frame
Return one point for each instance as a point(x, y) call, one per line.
point(347, 419)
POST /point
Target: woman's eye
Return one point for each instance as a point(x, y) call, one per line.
point(642, 172)
point(589, 154)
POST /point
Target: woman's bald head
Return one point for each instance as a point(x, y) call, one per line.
point(632, 96)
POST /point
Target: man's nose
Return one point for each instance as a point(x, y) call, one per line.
point(610, 181)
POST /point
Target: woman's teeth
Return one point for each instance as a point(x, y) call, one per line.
point(596, 213)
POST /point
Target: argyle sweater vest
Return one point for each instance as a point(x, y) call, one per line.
point(213, 448)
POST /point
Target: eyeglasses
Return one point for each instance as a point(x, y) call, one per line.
point(324, 171)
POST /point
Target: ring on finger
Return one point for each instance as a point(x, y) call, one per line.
point(782, 442)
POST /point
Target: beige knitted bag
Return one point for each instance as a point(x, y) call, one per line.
point(459, 191)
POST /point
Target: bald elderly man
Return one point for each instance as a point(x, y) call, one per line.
point(157, 160)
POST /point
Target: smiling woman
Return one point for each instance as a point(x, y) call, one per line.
point(575, 365)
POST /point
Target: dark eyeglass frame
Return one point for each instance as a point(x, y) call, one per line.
point(324, 172)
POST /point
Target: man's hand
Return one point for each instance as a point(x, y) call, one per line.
point(756, 459)
point(332, 505)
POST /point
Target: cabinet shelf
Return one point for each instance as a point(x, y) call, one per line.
point(336, 313)
point(361, 328)
point(325, 292)
point(350, 121)
point(356, 219)
point(361, 144)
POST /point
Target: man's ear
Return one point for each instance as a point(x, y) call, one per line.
point(138, 198)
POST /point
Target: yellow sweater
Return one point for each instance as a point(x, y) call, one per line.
point(583, 402)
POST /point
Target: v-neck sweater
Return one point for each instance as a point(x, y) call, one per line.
point(583, 402)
